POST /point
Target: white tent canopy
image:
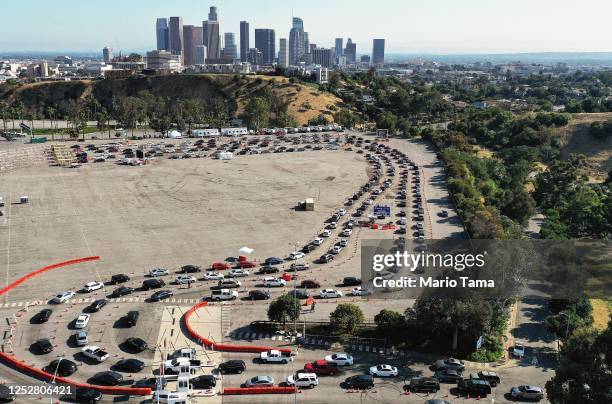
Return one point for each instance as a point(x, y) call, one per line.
point(245, 250)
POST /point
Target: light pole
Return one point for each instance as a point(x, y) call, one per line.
point(54, 376)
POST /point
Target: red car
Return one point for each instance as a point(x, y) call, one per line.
point(246, 264)
point(218, 266)
point(321, 367)
point(310, 284)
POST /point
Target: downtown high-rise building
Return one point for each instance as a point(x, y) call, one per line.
point(107, 54)
point(265, 41)
point(378, 51)
point(322, 56)
point(210, 35)
point(283, 53)
point(296, 41)
point(176, 35)
point(338, 51)
point(255, 57)
point(350, 51)
point(244, 41)
point(162, 34)
point(230, 50)
point(200, 54)
point(192, 37)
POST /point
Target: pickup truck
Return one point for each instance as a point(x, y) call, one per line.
point(275, 356)
point(189, 353)
point(95, 352)
point(177, 365)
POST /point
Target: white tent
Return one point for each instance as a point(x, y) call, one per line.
point(245, 250)
point(174, 134)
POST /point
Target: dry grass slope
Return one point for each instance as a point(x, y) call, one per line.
point(578, 141)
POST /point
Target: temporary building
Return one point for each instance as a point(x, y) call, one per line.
point(174, 134)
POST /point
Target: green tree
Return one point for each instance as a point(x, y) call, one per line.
point(346, 318)
point(345, 118)
point(284, 308)
point(583, 374)
point(390, 324)
point(257, 113)
point(387, 120)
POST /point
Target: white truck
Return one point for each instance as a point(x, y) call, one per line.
point(275, 356)
point(181, 365)
point(185, 353)
point(95, 352)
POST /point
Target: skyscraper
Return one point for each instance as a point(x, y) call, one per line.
point(107, 54)
point(230, 51)
point(200, 54)
point(322, 56)
point(283, 53)
point(296, 41)
point(176, 35)
point(265, 41)
point(192, 37)
point(350, 51)
point(212, 14)
point(338, 51)
point(255, 56)
point(244, 41)
point(162, 34)
point(211, 39)
point(378, 51)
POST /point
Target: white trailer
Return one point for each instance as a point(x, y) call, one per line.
point(234, 131)
point(205, 132)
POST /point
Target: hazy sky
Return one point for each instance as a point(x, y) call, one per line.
point(410, 26)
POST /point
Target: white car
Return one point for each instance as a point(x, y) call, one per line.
point(326, 233)
point(518, 350)
point(213, 276)
point(358, 291)
point(307, 380)
point(403, 221)
point(342, 212)
point(272, 282)
point(347, 232)
point(317, 241)
point(332, 225)
point(343, 242)
point(238, 272)
point(340, 359)
point(369, 202)
point(336, 249)
point(296, 255)
point(81, 321)
point(185, 279)
point(326, 293)
point(91, 286)
point(63, 297)
point(158, 272)
point(384, 371)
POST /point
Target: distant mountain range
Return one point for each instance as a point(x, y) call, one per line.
point(571, 58)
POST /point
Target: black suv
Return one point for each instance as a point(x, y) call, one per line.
point(203, 382)
point(63, 367)
point(188, 269)
point(232, 366)
point(43, 346)
point(423, 384)
point(107, 378)
point(119, 278)
point(136, 344)
point(161, 295)
point(42, 316)
point(491, 377)
point(259, 295)
point(359, 382)
point(154, 283)
point(268, 270)
point(474, 387)
point(351, 281)
point(132, 318)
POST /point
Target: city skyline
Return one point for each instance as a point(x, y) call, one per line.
point(473, 26)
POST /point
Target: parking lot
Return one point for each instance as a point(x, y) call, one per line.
point(177, 211)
